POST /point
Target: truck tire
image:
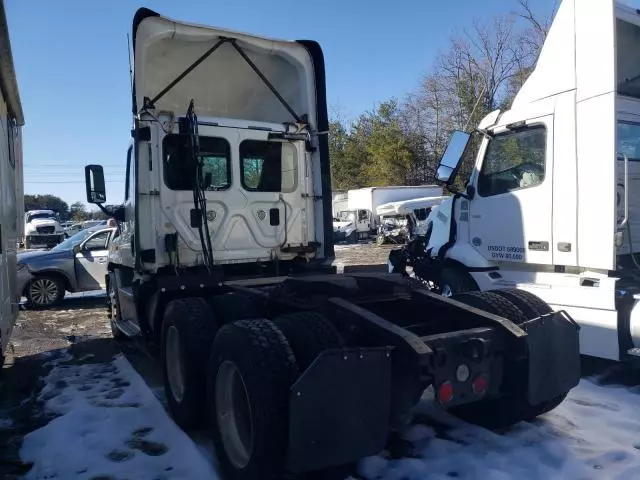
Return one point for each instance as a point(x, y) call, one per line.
point(231, 307)
point(45, 291)
point(454, 281)
point(188, 329)
point(513, 407)
point(309, 334)
point(491, 302)
point(113, 305)
point(251, 370)
point(531, 305)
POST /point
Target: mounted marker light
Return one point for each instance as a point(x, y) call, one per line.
point(445, 392)
point(480, 384)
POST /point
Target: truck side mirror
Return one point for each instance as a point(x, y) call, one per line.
point(94, 179)
point(452, 157)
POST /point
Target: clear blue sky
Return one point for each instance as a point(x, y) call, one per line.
point(72, 65)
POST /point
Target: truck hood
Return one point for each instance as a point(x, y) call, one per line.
point(224, 84)
point(339, 225)
point(43, 222)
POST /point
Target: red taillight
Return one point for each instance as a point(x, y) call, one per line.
point(480, 384)
point(445, 392)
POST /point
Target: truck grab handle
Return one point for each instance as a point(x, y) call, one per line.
point(626, 192)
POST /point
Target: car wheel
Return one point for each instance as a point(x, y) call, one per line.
point(45, 291)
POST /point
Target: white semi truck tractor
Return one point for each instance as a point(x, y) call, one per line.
point(222, 264)
point(552, 205)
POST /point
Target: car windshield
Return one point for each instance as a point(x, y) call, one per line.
point(69, 243)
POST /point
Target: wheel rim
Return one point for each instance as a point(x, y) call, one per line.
point(446, 291)
point(113, 309)
point(43, 291)
point(234, 414)
point(174, 363)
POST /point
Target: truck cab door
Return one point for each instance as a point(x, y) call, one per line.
point(91, 261)
point(273, 180)
point(511, 212)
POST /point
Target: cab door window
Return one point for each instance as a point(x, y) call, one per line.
point(268, 166)
point(513, 161)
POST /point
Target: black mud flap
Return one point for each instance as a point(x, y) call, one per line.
point(554, 356)
point(339, 409)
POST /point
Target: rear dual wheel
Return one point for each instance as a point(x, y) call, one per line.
point(517, 306)
point(237, 377)
point(188, 329)
point(252, 366)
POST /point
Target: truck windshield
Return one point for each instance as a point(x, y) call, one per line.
point(347, 216)
point(31, 216)
point(179, 172)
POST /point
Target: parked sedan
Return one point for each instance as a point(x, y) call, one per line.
point(78, 264)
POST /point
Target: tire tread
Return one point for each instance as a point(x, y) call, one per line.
point(309, 334)
point(267, 365)
point(196, 327)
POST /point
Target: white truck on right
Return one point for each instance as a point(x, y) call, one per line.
point(552, 205)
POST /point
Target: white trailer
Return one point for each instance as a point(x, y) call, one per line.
point(553, 203)
point(362, 204)
point(11, 186)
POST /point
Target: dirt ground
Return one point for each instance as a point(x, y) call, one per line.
point(365, 254)
point(79, 326)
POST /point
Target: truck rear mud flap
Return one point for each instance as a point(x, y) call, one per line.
point(554, 356)
point(339, 408)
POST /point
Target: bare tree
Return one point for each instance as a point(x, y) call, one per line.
point(538, 26)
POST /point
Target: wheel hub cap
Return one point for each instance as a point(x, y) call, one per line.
point(234, 414)
point(175, 364)
point(43, 291)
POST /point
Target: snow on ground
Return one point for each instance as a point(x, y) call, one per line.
point(110, 426)
point(593, 434)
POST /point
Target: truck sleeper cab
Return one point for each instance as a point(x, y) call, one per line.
point(222, 264)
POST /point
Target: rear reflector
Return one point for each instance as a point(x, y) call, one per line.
point(445, 392)
point(480, 384)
